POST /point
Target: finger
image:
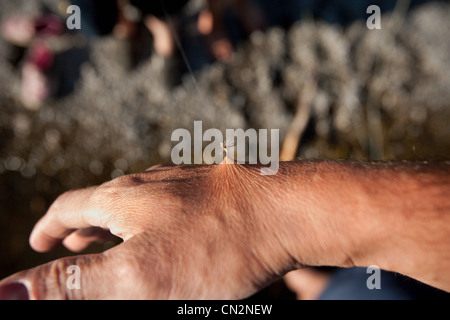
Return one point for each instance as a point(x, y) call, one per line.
point(74, 278)
point(72, 210)
point(118, 273)
point(79, 240)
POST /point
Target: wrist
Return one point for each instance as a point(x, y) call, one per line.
point(290, 216)
point(319, 215)
point(321, 206)
point(310, 213)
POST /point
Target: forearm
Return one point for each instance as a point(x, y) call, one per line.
point(396, 216)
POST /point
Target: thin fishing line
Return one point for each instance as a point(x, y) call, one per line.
point(183, 55)
point(189, 67)
point(180, 46)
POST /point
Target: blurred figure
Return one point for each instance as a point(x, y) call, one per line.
point(160, 18)
point(123, 19)
point(212, 24)
point(29, 37)
point(146, 27)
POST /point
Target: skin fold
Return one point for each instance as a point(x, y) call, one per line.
point(225, 231)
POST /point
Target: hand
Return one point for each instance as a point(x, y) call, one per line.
point(189, 233)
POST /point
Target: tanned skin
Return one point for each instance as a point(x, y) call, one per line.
point(225, 231)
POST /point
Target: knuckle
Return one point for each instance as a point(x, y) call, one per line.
point(129, 180)
point(118, 201)
point(105, 194)
point(63, 198)
point(115, 193)
point(108, 200)
point(119, 188)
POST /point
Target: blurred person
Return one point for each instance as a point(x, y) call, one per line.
point(123, 17)
point(225, 231)
point(159, 15)
point(213, 25)
point(30, 35)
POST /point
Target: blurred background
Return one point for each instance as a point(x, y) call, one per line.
point(81, 107)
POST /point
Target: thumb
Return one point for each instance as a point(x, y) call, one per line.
point(78, 278)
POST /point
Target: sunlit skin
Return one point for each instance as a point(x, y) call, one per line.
point(225, 231)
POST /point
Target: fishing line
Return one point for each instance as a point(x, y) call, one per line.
point(185, 59)
point(183, 54)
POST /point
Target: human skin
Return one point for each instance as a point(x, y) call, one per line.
point(225, 231)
